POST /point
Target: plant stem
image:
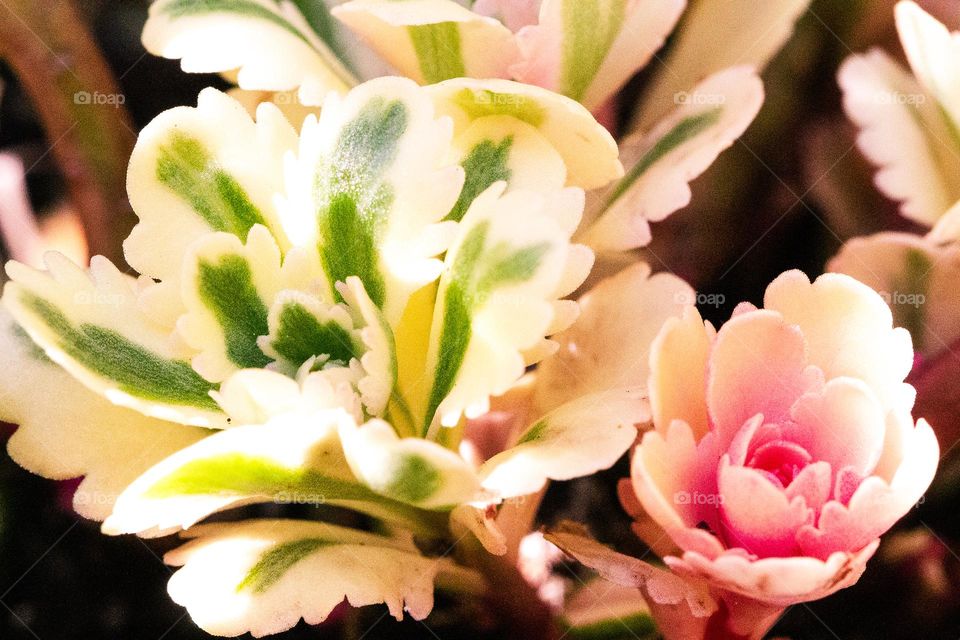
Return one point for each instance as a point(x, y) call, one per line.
point(81, 109)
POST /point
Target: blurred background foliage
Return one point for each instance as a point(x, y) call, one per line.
point(786, 196)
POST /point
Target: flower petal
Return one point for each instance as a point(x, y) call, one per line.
point(678, 372)
point(274, 45)
point(588, 150)
point(781, 581)
point(758, 366)
point(757, 515)
point(588, 49)
point(90, 324)
point(661, 163)
point(577, 439)
point(431, 40)
point(842, 424)
point(849, 331)
point(609, 345)
point(263, 576)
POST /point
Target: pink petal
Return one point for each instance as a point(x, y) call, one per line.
point(812, 484)
point(678, 373)
point(875, 505)
point(849, 331)
point(842, 424)
point(757, 366)
point(756, 514)
point(778, 581)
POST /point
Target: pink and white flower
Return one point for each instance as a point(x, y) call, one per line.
point(783, 445)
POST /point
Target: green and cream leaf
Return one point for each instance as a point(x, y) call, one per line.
point(661, 164)
point(303, 327)
point(577, 439)
point(905, 133)
point(410, 470)
point(588, 150)
point(228, 288)
point(79, 433)
point(432, 40)
point(197, 171)
point(379, 359)
point(271, 45)
point(499, 297)
point(91, 324)
point(370, 188)
point(588, 49)
point(293, 458)
point(263, 576)
point(715, 36)
point(504, 148)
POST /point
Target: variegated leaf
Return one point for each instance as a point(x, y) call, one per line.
point(274, 45)
point(196, 171)
point(91, 325)
point(369, 187)
point(588, 49)
point(905, 133)
point(293, 458)
point(503, 148)
point(577, 439)
point(77, 433)
point(264, 576)
point(934, 55)
point(228, 288)
point(499, 297)
point(379, 359)
point(661, 164)
point(409, 470)
point(715, 36)
point(588, 150)
point(608, 347)
point(303, 327)
point(432, 40)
